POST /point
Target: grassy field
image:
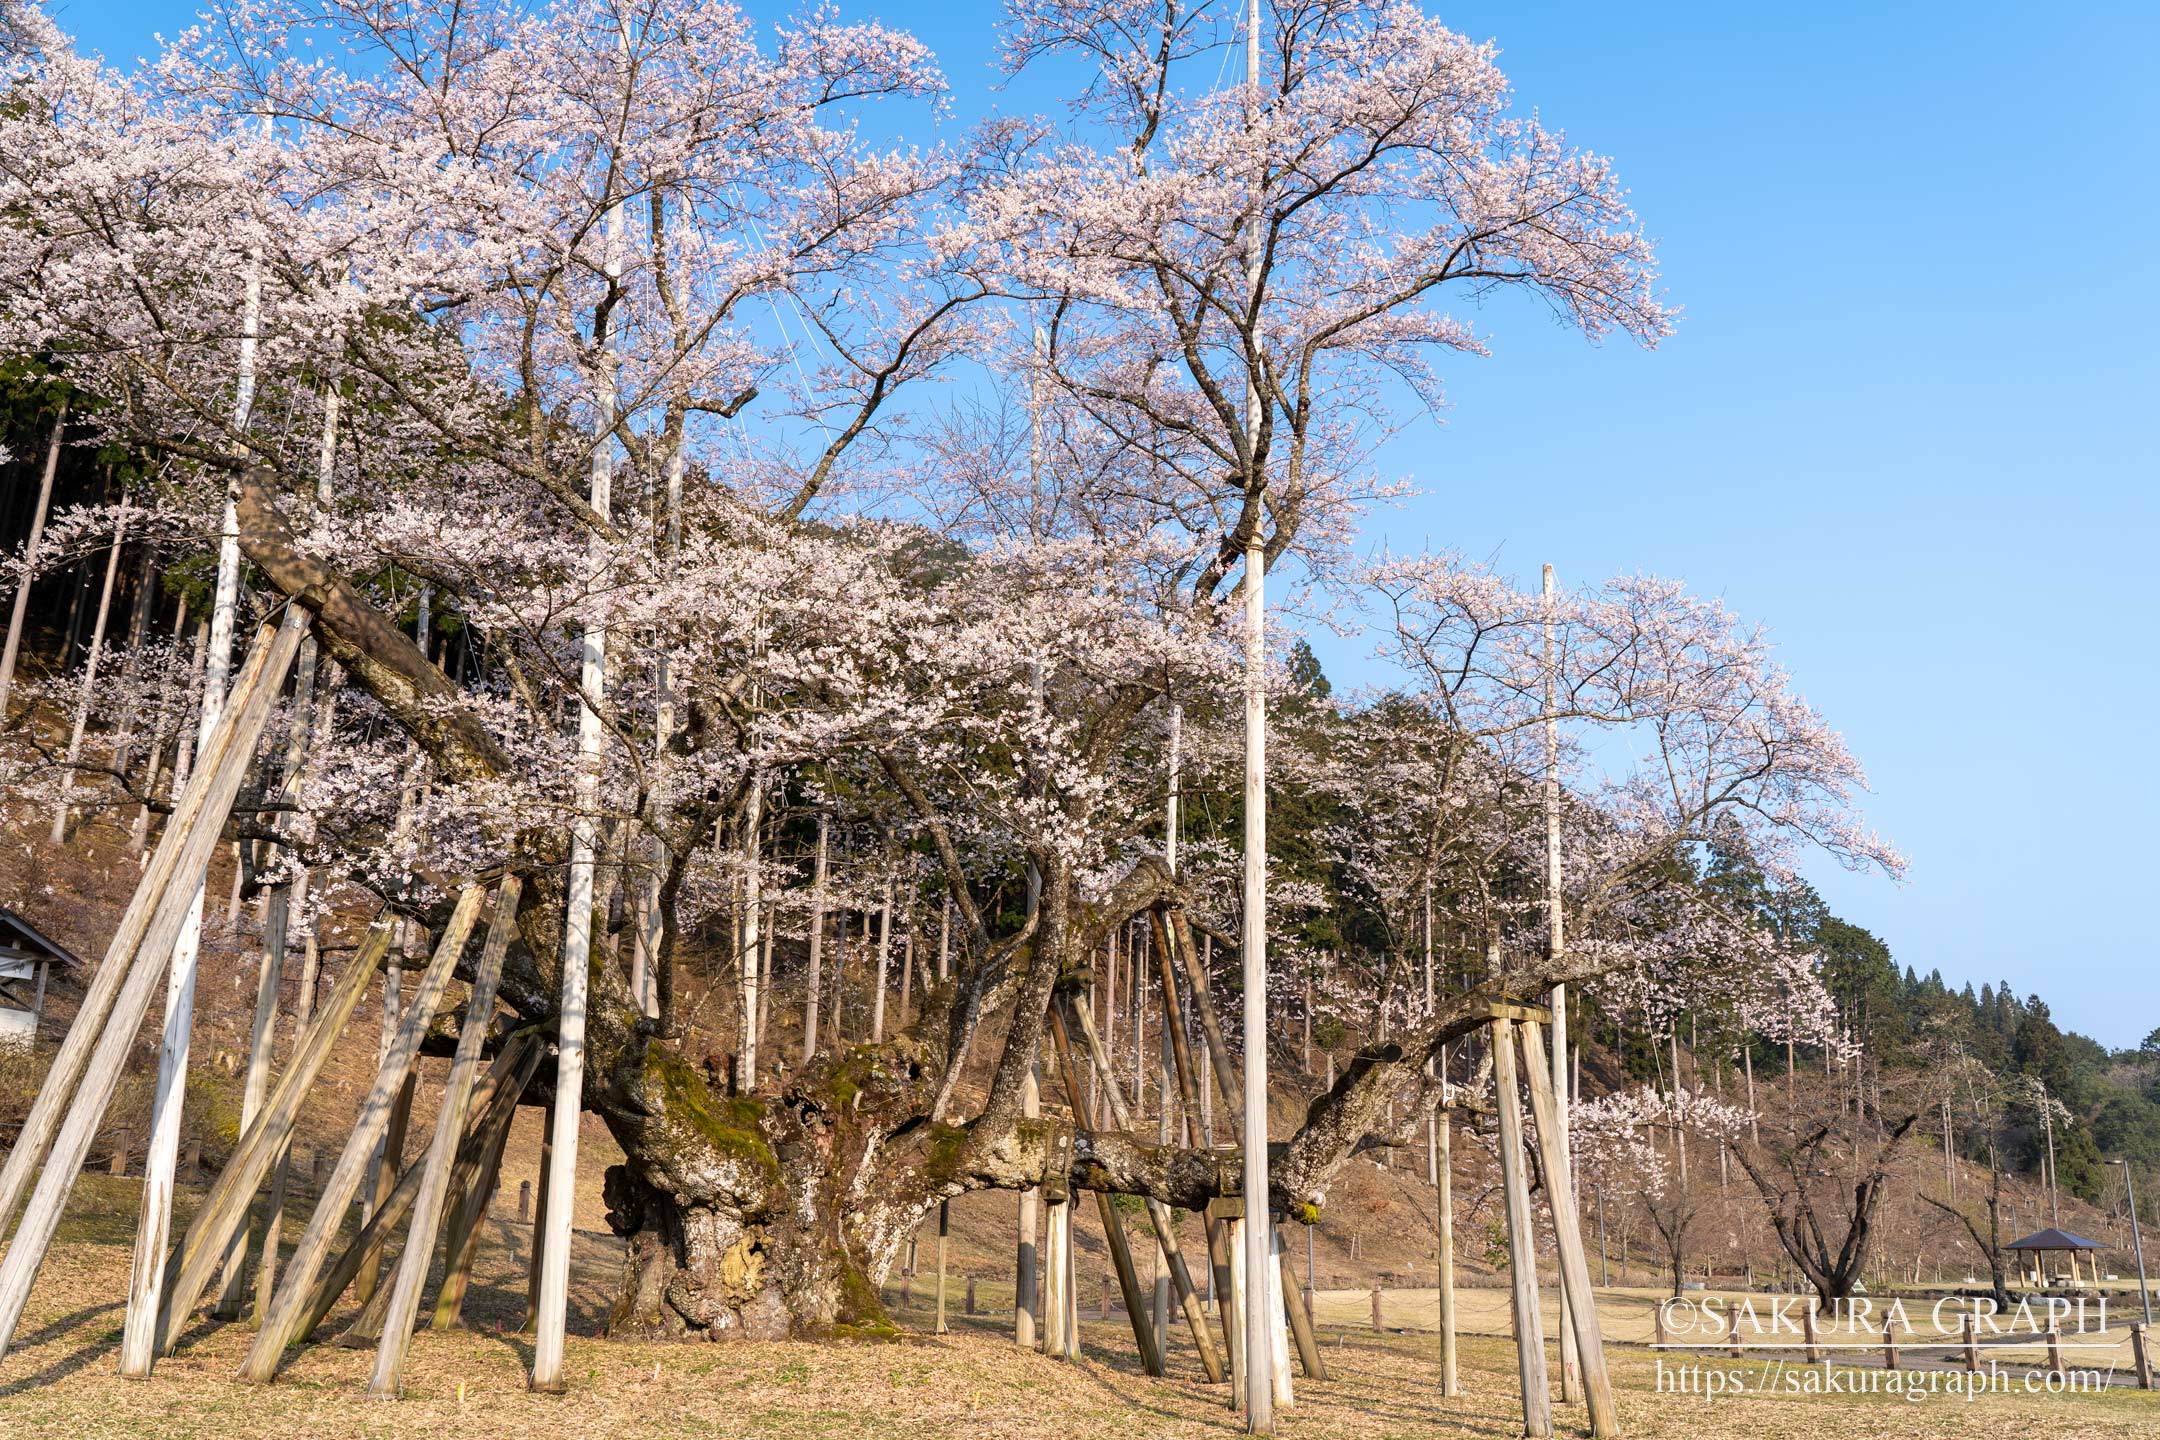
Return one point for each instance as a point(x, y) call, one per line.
point(60, 1382)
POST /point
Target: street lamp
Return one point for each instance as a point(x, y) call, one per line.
point(2137, 1242)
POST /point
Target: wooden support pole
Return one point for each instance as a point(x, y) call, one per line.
point(1889, 1342)
point(281, 1326)
point(449, 1126)
point(1301, 1326)
point(281, 1169)
point(1190, 1094)
point(472, 1205)
point(1151, 1359)
point(224, 1208)
point(1210, 1028)
point(1057, 1268)
point(52, 1103)
point(2140, 1352)
point(1165, 1224)
point(269, 980)
point(511, 1069)
point(1027, 1297)
point(2054, 1348)
point(388, 1161)
point(209, 798)
point(1522, 1246)
point(1444, 1201)
point(944, 1228)
point(1972, 1345)
point(1222, 1261)
point(537, 1249)
point(1581, 1312)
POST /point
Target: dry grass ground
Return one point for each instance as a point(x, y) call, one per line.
point(60, 1381)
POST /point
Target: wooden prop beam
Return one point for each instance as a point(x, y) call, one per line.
point(1581, 1310)
point(1158, 1213)
point(1444, 1203)
point(340, 1273)
point(1301, 1327)
point(1189, 1092)
point(471, 1210)
point(1151, 1357)
point(281, 1170)
point(191, 843)
point(224, 1209)
point(1522, 1246)
point(109, 978)
point(280, 1326)
point(449, 1127)
point(1027, 1293)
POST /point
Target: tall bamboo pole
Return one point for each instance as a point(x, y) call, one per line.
point(552, 1311)
point(1259, 1376)
point(1570, 1364)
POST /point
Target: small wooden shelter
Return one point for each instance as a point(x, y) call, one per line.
point(2041, 1243)
point(27, 958)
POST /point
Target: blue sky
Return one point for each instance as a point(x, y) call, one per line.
point(1908, 420)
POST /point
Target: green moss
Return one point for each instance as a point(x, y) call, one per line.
point(862, 1314)
point(944, 1151)
point(1304, 1212)
point(728, 1123)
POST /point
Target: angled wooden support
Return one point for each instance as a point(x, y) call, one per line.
point(270, 972)
point(205, 804)
point(1151, 1357)
point(108, 980)
point(1522, 1246)
point(1581, 1310)
point(449, 1128)
point(472, 1202)
point(1301, 1326)
point(281, 1169)
point(281, 1326)
point(1158, 1213)
point(1189, 1095)
point(511, 1069)
point(224, 1210)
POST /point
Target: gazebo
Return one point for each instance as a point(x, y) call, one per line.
point(26, 961)
point(2041, 1242)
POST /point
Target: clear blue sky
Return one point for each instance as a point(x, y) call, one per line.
point(1908, 420)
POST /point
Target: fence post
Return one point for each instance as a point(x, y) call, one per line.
point(1972, 1346)
point(2141, 1355)
point(1889, 1345)
point(1376, 1305)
